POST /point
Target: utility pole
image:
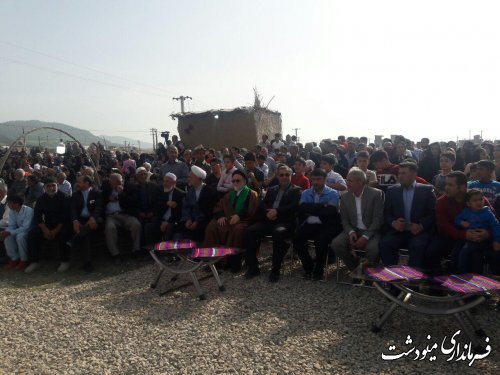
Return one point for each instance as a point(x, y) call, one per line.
point(139, 143)
point(296, 129)
point(182, 99)
point(154, 134)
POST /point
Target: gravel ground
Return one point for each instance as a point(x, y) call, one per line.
point(112, 323)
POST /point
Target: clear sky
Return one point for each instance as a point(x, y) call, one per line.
point(426, 68)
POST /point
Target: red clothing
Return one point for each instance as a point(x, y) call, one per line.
point(301, 181)
point(447, 209)
point(421, 180)
point(388, 176)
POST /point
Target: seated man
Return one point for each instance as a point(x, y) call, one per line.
point(448, 207)
point(168, 212)
point(409, 213)
point(121, 205)
point(63, 185)
point(85, 214)
point(215, 173)
point(50, 223)
point(198, 206)
point(4, 218)
point(281, 204)
point(16, 235)
point(147, 193)
point(319, 220)
point(362, 213)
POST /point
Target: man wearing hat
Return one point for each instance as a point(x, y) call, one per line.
point(50, 222)
point(168, 211)
point(198, 205)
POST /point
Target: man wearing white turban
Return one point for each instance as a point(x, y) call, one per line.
point(198, 205)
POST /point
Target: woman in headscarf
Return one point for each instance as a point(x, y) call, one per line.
point(234, 212)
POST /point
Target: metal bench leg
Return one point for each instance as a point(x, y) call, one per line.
point(325, 277)
point(222, 288)
point(157, 278)
point(377, 324)
point(196, 284)
point(462, 321)
point(473, 322)
point(292, 258)
point(338, 270)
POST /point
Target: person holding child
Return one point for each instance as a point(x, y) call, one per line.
point(475, 216)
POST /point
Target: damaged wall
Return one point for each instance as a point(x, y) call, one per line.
point(241, 127)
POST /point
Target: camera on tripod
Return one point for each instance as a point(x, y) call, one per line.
point(165, 135)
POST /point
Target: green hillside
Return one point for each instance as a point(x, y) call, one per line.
point(10, 131)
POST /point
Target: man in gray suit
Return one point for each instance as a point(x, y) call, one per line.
point(362, 213)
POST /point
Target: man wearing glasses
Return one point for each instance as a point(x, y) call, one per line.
point(280, 206)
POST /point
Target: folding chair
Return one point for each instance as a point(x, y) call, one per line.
point(184, 257)
point(464, 292)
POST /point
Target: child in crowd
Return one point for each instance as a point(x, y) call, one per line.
point(468, 256)
point(489, 187)
point(333, 179)
point(362, 161)
point(446, 163)
point(298, 177)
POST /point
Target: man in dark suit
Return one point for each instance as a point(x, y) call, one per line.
point(198, 206)
point(86, 215)
point(147, 194)
point(50, 222)
point(362, 213)
point(280, 206)
point(409, 214)
point(168, 211)
point(121, 207)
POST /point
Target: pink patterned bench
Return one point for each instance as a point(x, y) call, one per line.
point(186, 257)
point(461, 294)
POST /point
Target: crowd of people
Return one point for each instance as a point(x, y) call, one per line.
point(352, 198)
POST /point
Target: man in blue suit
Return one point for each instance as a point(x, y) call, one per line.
point(409, 215)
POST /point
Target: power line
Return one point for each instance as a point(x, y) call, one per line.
point(84, 67)
point(53, 71)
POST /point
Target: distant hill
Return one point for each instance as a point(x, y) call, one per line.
point(120, 141)
point(11, 130)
